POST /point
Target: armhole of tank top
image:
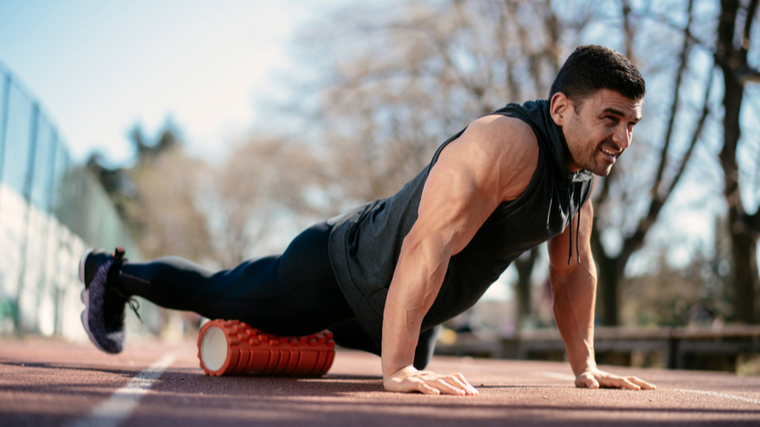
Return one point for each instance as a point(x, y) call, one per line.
point(437, 154)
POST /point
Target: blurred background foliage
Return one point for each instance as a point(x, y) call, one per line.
point(676, 223)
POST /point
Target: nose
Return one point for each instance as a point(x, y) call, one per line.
point(622, 137)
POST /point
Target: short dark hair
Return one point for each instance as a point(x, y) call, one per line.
point(591, 68)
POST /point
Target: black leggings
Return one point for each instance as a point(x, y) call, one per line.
point(292, 294)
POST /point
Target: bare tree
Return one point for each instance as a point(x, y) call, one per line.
point(166, 215)
point(401, 80)
point(732, 49)
point(699, 293)
point(621, 206)
point(263, 181)
point(157, 195)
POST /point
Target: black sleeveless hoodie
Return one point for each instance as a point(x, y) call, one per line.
point(365, 243)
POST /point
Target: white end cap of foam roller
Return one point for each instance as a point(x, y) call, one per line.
point(214, 348)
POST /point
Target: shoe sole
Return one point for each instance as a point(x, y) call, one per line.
point(234, 348)
point(85, 297)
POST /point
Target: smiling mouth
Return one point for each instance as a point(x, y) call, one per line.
point(611, 154)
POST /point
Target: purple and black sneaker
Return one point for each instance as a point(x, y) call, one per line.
point(103, 316)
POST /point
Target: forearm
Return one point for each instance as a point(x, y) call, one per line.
point(401, 330)
point(574, 301)
point(415, 285)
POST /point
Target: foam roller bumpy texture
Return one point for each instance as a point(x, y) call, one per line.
point(231, 347)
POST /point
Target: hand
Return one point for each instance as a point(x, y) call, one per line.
point(594, 378)
point(409, 379)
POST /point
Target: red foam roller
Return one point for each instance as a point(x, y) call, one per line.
point(231, 347)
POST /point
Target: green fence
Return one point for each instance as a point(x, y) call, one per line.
point(51, 211)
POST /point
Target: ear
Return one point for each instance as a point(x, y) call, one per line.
point(559, 108)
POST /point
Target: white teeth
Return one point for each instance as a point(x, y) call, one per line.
point(608, 152)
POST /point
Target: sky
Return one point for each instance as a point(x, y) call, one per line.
point(100, 67)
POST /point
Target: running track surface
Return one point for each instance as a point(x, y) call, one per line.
point(153, 383)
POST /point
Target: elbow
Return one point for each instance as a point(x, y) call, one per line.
point(585, 273)
point(428, 248)
point(557, 279)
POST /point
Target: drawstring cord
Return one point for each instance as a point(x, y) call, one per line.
point(570, 242)
point(570, 197)
point(577, 235)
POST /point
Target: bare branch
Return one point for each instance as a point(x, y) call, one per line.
point(694, 138)
point(668, 22)
point(747, 75)
point(751, 10)
point(673, 111)
point(636, 240)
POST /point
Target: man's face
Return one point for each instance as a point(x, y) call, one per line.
point(599, 130)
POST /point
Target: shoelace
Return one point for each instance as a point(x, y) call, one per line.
point(135, 305)
point(570, 197)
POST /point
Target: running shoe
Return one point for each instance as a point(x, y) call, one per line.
point(104, 314)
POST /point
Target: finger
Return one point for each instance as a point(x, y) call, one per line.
point(621, 382)
point(643, 384)
point(455, 382)
point(586, 380)
point(447, 388)
point(426, 389)
point(591, 382)
point(472, 388)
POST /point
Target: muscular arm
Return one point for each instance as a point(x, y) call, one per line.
point(493, 161)
point(574, 292)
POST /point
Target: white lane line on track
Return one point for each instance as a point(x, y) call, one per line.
point(723, 395)
point(567, 377)
point(123, 401)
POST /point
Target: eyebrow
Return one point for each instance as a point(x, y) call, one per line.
point(611, 110)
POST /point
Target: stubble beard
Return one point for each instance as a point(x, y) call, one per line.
point(587, 160)
point(590, 162)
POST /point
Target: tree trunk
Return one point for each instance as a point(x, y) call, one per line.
point(745, 263)
point(743, 239)
point(743, 231)
point(608, 277)
point(611, 267)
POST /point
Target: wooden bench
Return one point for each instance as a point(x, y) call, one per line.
point(674, 348)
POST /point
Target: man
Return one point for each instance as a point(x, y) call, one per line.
point(383, 276)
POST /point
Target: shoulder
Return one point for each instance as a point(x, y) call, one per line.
point(502, 138)
point(507, 148)
point(507, 133)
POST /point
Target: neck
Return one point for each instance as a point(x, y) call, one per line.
point(569, 162)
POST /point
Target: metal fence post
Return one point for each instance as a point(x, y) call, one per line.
point(42, 280)
point(28, 181)
point(4, 122)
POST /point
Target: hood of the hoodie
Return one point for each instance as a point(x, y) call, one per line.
point(536, 114)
